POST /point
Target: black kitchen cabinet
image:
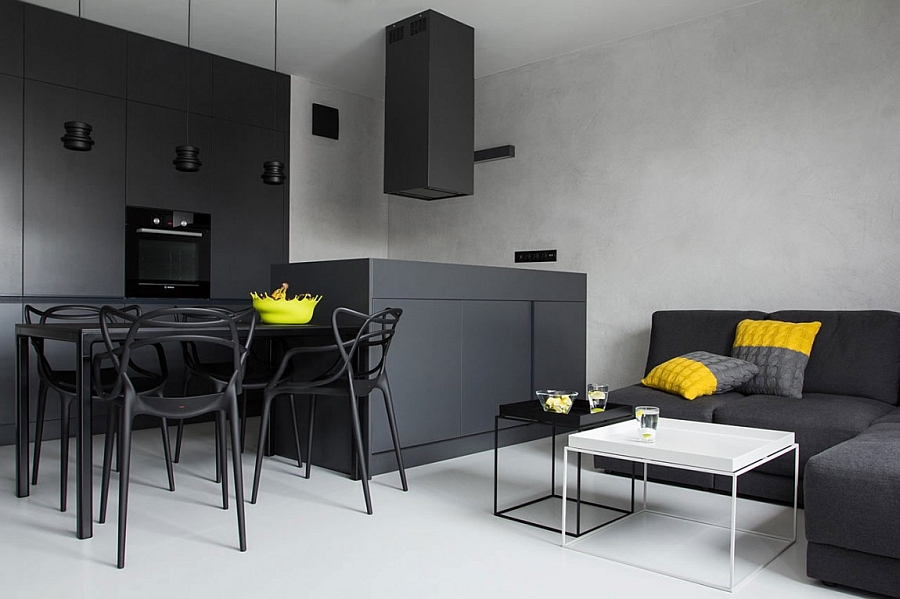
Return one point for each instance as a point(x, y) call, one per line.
point(11, 49)
point(244, 93)
point(10, 185)
point(158, 74)
point(63, 49)
point(10, 314)
point(52, 45)
point(153, 134)
point(248, 217)
point(74, 210)
point(424, 366)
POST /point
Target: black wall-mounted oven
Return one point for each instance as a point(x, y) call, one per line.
point(166, 253)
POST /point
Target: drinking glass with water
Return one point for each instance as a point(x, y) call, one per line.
point(648, 419)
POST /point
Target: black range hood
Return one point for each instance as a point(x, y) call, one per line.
point(429, 107)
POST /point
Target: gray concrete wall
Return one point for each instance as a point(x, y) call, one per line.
point(745, 160)
point(337, 207)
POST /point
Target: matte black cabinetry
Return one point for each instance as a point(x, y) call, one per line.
point(10, 185)
point(62, 49)
point(11, 21)
point(471, 338)
point(74, 211)
point(248, 217)
point(10, 314)
point(153, 134)
point(158, 74)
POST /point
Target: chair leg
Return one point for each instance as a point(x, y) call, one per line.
point(64, 406)
point(185, 387)
point(179, 435)
point(218, 454)
point(296, 431)
point(309, 433)
point(167, 450)
point(238, 476)
point(360, 451)
point(243, 397)
point(392, 422)
point(107, 461)
point(260, 450)
point(39, 431)
point(222, 453)
point(125, 425)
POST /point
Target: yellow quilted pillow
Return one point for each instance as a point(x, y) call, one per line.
point(699, 373)
point(780, 350)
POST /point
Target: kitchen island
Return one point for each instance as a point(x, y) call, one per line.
point(470, 339)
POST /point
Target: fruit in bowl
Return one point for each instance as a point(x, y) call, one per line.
point(279, 309)
point(556, 401)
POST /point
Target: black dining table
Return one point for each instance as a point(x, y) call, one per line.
point(83, 336)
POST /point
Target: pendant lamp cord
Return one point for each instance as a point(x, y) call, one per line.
point(275, 87)
point(187, 119)
point(78, 62)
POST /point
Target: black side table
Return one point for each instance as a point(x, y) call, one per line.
point(578, 419)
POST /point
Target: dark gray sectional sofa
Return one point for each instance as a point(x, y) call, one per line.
point(847, 425)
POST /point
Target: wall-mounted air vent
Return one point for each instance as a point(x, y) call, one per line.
point(395, 34)
point(418, 26)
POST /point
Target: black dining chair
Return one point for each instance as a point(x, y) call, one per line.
point(359, 367)
point(258, 372)
point(208, 330)
point(62, 382)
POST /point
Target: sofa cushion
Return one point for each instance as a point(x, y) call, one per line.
point(892, 417)
point(674, 406)
point(855, 353)
point(677, 332)
point(818, 420)
point(700, 373)
point(780, 350)
point(853, 493)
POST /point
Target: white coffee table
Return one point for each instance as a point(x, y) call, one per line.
point(728, 451)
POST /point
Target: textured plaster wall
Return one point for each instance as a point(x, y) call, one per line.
point(337, 208)
point(745, 160)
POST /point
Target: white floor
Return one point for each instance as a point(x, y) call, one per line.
point(312, 538)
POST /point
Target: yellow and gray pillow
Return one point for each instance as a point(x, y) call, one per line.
point(700, 373)
point(780, 350)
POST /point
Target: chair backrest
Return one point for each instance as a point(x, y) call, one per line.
point(204, 327)
point(64, 313)
point(246, 320)
point(374, 332)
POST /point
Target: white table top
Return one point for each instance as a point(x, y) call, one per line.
point(685, 443)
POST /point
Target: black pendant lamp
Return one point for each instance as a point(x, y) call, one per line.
point(78, 133)
point(187, 157)
point(273, 170)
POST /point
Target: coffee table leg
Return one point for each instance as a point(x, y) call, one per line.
point(734, 484)
point(496, 439)
point(562, 526)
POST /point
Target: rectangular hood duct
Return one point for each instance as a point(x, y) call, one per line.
point(429, 107)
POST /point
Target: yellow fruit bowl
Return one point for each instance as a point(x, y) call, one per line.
point(297, 310)
point(558, 402)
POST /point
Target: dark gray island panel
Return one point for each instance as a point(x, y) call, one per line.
point(424, 368)
point(496, 360)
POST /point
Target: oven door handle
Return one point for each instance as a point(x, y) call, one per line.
point(168, 232)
